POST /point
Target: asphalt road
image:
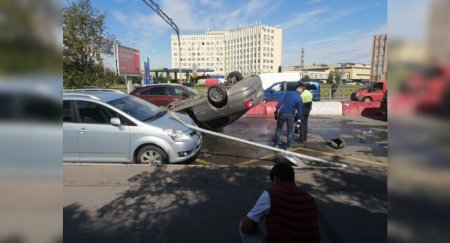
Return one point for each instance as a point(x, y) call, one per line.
point(204, 203)
point(365, 138)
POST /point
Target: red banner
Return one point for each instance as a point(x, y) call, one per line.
point(128, 61)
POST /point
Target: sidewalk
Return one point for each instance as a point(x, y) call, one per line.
point(185, 203)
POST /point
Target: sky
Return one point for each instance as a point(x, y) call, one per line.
point(330, 31)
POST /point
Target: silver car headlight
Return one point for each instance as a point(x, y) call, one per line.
point(176, 135)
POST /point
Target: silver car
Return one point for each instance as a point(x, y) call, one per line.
point(221, 105)
point(107, 126)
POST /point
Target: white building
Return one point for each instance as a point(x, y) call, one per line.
point(252, 49)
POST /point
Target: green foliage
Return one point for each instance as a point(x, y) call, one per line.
point(330, 77)
point(27, 44)
point(135, 79)
point(84, 39)
point(159, 79)
point(305, 78)
point(337, 77)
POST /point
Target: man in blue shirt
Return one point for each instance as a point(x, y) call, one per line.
point(289, 109)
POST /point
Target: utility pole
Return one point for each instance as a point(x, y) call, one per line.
point(169, 21)
point(302, 60)
point(343, 65)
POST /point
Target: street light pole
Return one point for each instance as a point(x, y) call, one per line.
point(169, 21)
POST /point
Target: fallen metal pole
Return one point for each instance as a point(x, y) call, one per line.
point(282, 151)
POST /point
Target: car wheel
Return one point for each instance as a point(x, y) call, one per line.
point(233, 78)
point(152, 155)
point(367, 99)
point(217, 95)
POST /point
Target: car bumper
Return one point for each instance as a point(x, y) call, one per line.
point(185, 150)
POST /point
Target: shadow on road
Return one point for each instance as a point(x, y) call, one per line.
point(352, 206)
point(194, 204)
point(205, 204)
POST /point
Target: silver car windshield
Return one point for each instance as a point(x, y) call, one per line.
point(137, 108)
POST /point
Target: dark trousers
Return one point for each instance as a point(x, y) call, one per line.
point(289, 119)
point(304, 124)
point(303, 129)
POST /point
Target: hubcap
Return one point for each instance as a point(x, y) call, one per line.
point(151, 157)
point(215, 95)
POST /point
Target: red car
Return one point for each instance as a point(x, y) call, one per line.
point(371, 91)
point(211, 82)
point(163, 94)
point(427, 92)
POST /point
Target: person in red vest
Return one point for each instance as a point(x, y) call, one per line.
point(290, 213)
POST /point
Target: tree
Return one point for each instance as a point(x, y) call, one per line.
point(305, 78)
point(337, 77)
point(27, 38)
point(84, 39)
point(330, 77)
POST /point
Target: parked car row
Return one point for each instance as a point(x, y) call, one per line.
point(103, 125)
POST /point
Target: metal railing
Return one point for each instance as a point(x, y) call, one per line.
point(342, 93)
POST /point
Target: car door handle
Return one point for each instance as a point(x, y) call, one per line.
point(83, 130)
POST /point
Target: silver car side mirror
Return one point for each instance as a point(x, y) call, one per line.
point(115, 121)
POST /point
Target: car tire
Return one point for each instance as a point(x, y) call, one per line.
point(152, 155)
point(217, 95)
point(367, 99)
point(233, 78)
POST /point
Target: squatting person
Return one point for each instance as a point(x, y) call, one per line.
point(290, 213)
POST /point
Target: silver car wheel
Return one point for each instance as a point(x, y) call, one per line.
point(151, 154)
point(215, 95)
point(151, 157)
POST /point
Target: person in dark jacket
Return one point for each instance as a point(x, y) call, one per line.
point(288, 110)
point(333, 89)
point(290, 213)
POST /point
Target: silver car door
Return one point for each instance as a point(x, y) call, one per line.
point(70, 129)
point(98, 140)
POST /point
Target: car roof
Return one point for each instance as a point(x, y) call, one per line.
point(161, 84)
point(104, 96)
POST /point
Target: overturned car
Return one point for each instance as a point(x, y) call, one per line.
point(224, 103)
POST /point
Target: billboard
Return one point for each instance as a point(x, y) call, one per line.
point(127, 61)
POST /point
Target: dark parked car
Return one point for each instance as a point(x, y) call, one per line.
point(222, 104)
point(163, 94)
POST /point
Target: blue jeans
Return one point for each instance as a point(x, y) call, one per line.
point(289, 119)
